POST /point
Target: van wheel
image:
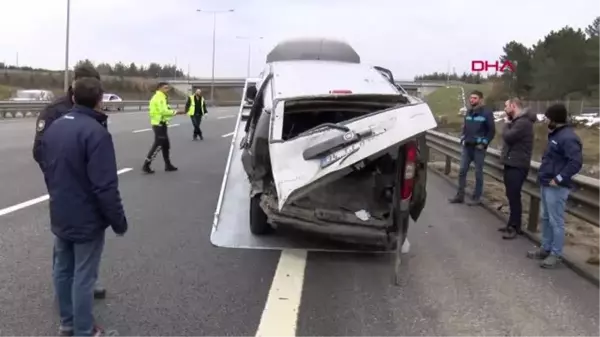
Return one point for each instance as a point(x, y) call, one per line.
point(258, 218)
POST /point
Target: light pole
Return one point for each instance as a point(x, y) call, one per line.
point(249, 38)
point(214, 38)
point(66, 84)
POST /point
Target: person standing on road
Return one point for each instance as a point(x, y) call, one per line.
point(196, 109)
point(160, 115)
point(478, 132)
point(518, 136)
point(80, 171)
point(561, 161)
point(52, 112)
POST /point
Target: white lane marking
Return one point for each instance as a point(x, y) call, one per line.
point(150, 129)
point(280, 316)
point(43, 198)
point(228, 134)
point(224, 117)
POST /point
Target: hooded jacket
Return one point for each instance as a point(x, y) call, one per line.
point(518, 136)
point(563, 157)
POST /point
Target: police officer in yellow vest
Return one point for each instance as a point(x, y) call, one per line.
point(160, 115)
point(196, 109)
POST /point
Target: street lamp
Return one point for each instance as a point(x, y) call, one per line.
point(66, 84)
point(250, 38)
point(214, 38)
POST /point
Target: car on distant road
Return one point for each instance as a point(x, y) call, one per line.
point(32, 95)
point(111, 102)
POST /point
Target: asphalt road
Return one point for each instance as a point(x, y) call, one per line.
point(165, 278)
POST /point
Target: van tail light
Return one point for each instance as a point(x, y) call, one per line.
point(409, 170)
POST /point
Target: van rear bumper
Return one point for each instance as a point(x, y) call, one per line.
point(333, 224)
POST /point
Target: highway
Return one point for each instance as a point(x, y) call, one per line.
point(165, 278)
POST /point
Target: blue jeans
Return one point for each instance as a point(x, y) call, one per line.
point(554, 201)
point(75, 274)
point(477, 156)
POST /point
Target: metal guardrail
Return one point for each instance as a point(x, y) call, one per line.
point(10, 109)
point(583, 200)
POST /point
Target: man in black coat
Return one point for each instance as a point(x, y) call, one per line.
point(517, 148)
point(52, 112)
point(80, 171)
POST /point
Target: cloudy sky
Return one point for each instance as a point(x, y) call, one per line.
point(409, 37)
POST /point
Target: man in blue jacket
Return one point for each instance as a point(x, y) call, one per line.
point(478, 132)
point(80, 171)
point(52, 112)
point(562, 160)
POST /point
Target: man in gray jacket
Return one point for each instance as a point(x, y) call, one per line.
point(516, 156)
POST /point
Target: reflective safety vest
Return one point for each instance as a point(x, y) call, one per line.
point(159, 110)
point(192, 107)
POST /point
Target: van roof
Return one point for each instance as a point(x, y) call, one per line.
point(324, 49)
point(316, 78)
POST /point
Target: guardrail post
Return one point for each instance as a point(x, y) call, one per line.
point(448, 167)
point(534, 214)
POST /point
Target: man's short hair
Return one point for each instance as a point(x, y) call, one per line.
point(477, 93)
point(516, 101)
point(161, 84)
point(87, 91)
point(86, 70)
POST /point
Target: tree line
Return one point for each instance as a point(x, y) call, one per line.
point(564, 65)
point(152, 70)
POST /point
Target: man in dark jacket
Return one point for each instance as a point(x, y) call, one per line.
point(52, 112)
point(478, 132)
point(80, 172)
point(195, 106)
point(516, 157)
point(562, 160)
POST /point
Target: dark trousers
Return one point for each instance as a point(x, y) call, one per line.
point(514, 178)
point(469, 154)
point(196, 121)
point(161, 143)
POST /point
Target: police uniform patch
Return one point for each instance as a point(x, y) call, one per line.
point(40, 125)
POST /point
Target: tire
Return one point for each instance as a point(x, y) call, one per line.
point(258, 218)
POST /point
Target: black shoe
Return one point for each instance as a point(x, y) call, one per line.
point(457, 199)
point(170, 168)
point(146, 169)
point(511, 234)
point(201, 137)
point(99, 293)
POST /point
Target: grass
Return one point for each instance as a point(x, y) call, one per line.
point(446, 102)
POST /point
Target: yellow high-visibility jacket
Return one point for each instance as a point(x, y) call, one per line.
point(159, 110)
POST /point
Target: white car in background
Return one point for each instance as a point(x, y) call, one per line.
point(111, 102)
point(31, 95)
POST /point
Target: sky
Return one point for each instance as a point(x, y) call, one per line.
point(408, 37)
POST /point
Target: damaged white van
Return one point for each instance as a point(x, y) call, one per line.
point(334, 147)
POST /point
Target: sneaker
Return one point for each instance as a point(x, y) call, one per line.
point(65, 331)
point(171, 168)
point(97, 331)
point(474, 202)
point(538, 254)
point(551, 261)
point(457, 199)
